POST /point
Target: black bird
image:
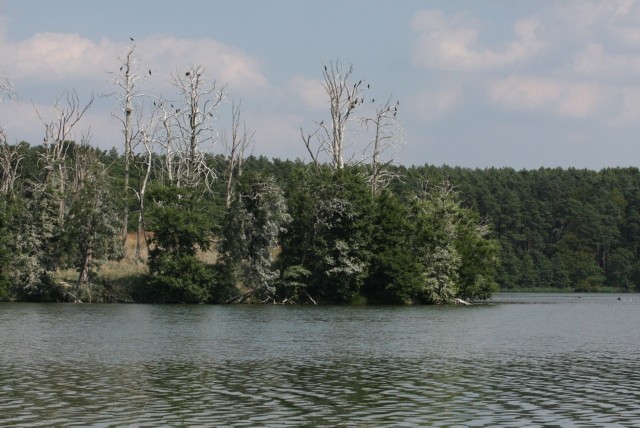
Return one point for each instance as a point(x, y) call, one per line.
point(367, 86)
point(188, 73)
point(325, 68)
point(373, 100)
point(131, 38)
point(120, 68)
point(149, 72)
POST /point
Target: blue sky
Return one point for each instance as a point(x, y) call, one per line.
point(524, 84)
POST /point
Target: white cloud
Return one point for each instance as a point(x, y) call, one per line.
point(20, 121)
point(53, 56)
point(630, 108)
point(584, 17)
point(57, 61)
point(451, 44)
point(224, 63)
point(569, 99)
point(433, 104)
point(595, 61)
point(61, 57)
point(281, 131)
point(309, 91)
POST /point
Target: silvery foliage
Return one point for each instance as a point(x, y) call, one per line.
point(34, 228)
point(441, 259)
point(343, 262)
point(440, 278)
point(258, 216)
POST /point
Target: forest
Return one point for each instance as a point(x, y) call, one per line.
point(179, 211)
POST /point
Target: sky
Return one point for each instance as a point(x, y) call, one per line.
point(482, 83)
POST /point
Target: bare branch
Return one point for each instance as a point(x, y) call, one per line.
point(68, 112)
point(387, 136)
point(190, 125)
point(6, 88)
point(344, 99)
point(241, 140)
point(10, 160)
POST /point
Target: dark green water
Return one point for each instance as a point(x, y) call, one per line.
point(524, 360)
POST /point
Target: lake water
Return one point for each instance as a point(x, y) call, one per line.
point(522, 360)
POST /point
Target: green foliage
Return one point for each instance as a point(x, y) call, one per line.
point(90, 232)
point(181, 228)
point(395, 273)
point(180, 278)
point(292, 284)
point(180, 222)
point(5, 253)
point(329, 235)
point(31, 242)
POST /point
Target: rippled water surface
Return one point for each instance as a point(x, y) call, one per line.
point(522, 360)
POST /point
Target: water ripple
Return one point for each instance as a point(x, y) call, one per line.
point(316, 368)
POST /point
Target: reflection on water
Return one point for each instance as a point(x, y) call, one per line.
point(546, 361)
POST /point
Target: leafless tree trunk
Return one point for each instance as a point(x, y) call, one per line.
point(125, 80)
point(387, 136)
point(68, 112)
point(190, 126)
point(344, 98)
point(10, 159)
point(235, 149)
point(6, 88)
point(147, 137)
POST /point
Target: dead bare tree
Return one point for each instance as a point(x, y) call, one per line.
point(344, 99)
point(10, 160)
point(126, 82)
point(68, 112)
point(241, 140)
point(6, 88)
point(147, 137)
point(190, 127)
point(387, 136)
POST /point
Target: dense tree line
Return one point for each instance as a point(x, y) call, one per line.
point(558, 229)
point(299, 233)
point(293, 232)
